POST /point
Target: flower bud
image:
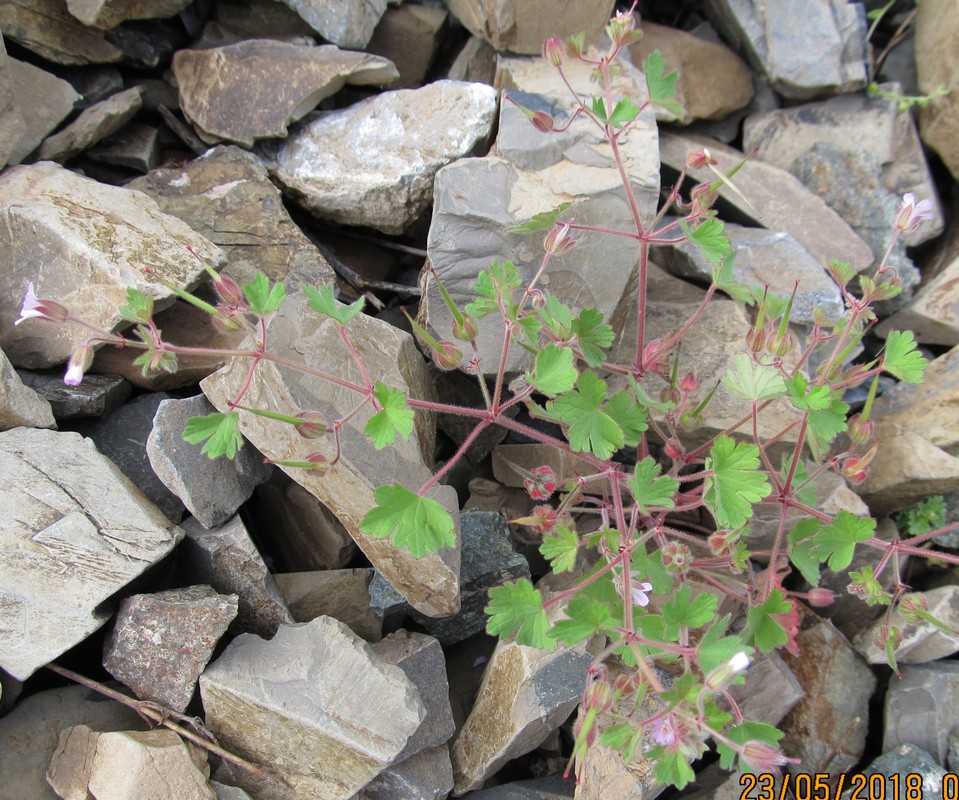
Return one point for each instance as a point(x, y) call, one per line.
point(697, 159)
point(542, 121)
point(689, 383)
point(911, 605)
point(466, 328)
point(677, 558)
point(541, 484)
point(558, 239)
point(860, 430)
point(598, 695)
point(761, 757)
point(674, 449)
point(448, 357)
point(311, 426)
point(724, 674)
point(554, 51)
point(820, 597)
point(229, 290)
point(79, 363)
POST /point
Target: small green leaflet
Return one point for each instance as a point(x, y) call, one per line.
point(901, 360)
point(590, 430)
point(715, 649)
point(662, 87)
point(517, 607)
point(540, 222)
point(557, 317)
point(419, 524)
point(624, 113)
point(801, 549)
point(139, 307)
point(560, 549)
point(322, 302)
point(806, 397)
point(684, 609)
point(492, 284)
point(827, 411)
point(672, 769)
point(395, 417)
point(592, 334)
point(631, 417)
point(725, 281)
point(553, 372)
point(585, 618)
point(710, 237)
point(750, 381)
point(262, 299)
point(650, 566)
point(735, 484)
point(837, 540)
point(746, 732)
point(762, 631)
point(649, 488)
point(219, 431)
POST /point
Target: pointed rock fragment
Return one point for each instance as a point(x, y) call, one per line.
point(348, 23)
point(106, 14)
point(46, 28)
point(94, 123)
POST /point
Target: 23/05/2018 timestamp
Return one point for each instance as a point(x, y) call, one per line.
point(824, 786)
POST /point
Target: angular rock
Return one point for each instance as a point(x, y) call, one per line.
point(754, 249)
point(303, 687)
point(426, 776)
point(476, 62)
point(713, 81)
point(46, 28)
point(523, 26)
point(373, 163)
point(94, 123)
point(20, 404)
point(227, 197)
point(256, 88)
point(829, 725)
point(160, 643)
point(224, 792)
point(921, 708)
point(938, 64)
point(106, 14)
point(342, 594)
point(69, 771)
point(348, 23)
point(770, 691)
point(136, 147)
point(803, 49)
point(409, 36)
point(83, 244)
point(430, 583)
point(97, 396)
point(12, 126)
point(226, 559)
point(921, 641)
point(211, 489)
point(908, 760)
point(94, 83)
point(554, 787)
point(250, 19)
point(75, 531)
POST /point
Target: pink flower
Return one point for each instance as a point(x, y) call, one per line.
point(663, 731)
point(34, 306)
point(911, 213)
point(639, 592)
point(79, 363)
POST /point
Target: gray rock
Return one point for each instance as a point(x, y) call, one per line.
point(770, 690)
point(94, 123)
point(342, 594)
point(937, 64)
point(12, 126)
point(83, 244)
point(803, 49)
point(555, 787)
point(409, 36)
point(94, 83)
point(135, 146)
point(476, 62)
point(254, 89)
point(754, 250)
point(29, 735)
point(224, 792)
point(907, 760)
point(373, 163)
point(97, 396)
point(211, 489)
point(426, 776)
point(227, 197)
point(348, 23)
point(250, 19)
point(46, 28)
point(921, 709)
point(75, 531)
point(160, 643)
point(226, 559)
point(303, 687)
point(488, 560)
point(921, 641)
point(430, 583)
point(20, 404)
point(106, 14)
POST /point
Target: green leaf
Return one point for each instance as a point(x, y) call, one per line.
point(715, 649)
point(139, 307)
point(395, 417)
point(801, 549)
point(529, 324)
point(553, 372)
point(492, 285)
point(837, 540)
point(598, 107)
point(750, 381)
point(662, 86)
point(323, 302)
point(592, 334)
point(650, 566)
point(517, 607)
point(262, 299)
point(672, 769)
point(618, 736)
point(558, 317)
point(762, 631)
point(590, 430)
point(923, 517)
point(710, 237)
point(828, 423)
point(585, 617)
point(624, 112)
point(693, 612)
point(735, 484)
point(649, 488)
point(901, 360)
point(725, 281)
point(560, 549)
point(419, 524)
point(746, 732)
point(629, 415)
point(541, 222)
point(219, 431)
point(806, 397)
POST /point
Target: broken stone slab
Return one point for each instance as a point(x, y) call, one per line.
point(46, 28)
point(409, 36)
point(29, 734)
point(44, 102)
point(224, 792)
point(553, 787)
point(20, 404)
point(226, 196)
point(342, 594)
point(75, 532)
point(937, 64)
point(522, 27)
point(770, 690)
point(69, 771)
point(921, 641)
point(921, 708)
point(906, 760)
point(97, 396)
point(348, 23)
point(373, 163)
point(782, 201)
point(106, 14)
point(12, 126)
point(476, 62)
point(426, 776)
point(135, 146)
point(226, 559)
point(754, 250)
point(318, 686)
point(713, 81)
point(94, 123)
point(430, 583)
point(211, 489)
point(160, 643)
point(803, 49)
point(83, 244)
point(255, 88)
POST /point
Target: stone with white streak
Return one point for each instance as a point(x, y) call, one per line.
point(373, 163)
point(75, 531)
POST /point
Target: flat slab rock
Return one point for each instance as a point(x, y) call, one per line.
point(348, 23)
point(46, 28)
point(75, 531)
point(106, 14)
point(19, 403)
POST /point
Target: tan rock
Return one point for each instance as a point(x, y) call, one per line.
point(348, 23)
point(94, 123)
point(409, 36)
point(342, 594)
point(72, 762)
point(937, 63)
point(12, 124)
point(44, 101)
point(19, 404)
point(106, 14)
point(46, 28)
